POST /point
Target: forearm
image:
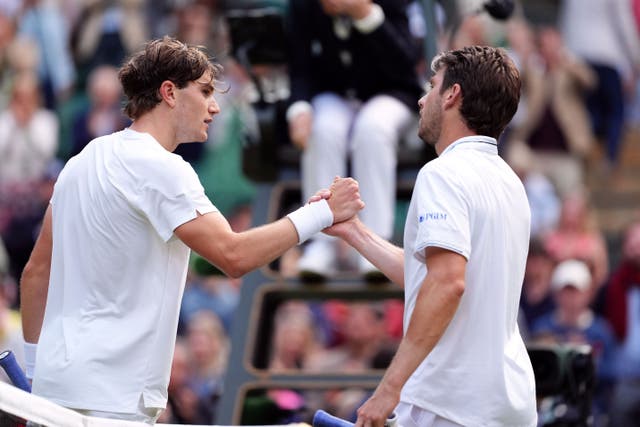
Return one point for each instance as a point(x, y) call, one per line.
point(259, 246)
point(237, 253)
point(34, 283)
point(436, 304)
point(33, 299)
point(386, 256)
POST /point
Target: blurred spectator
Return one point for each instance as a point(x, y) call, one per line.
point(472, 31)
point(556, 128)
point(294, 345)
point(522, 48)
point(536, 300)
point(579, 237)
point(42, 21)
point(623, 311)
point(27, 206)
point(28, 142)
point(603, 33)
point(364, 338)
point(28, 134)
point(353, 95)
point(209, 289)
point(572, 322)
point(365, 346)
point(105, 33)
point(104, 114)
point(209, 347)
point(182, 403)
point(7, 35)
point(541, 193)
point(21, 58)
point(633, 115)
point(202, 22)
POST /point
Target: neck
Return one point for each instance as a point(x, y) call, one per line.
point(453, 128)
point(453, 134)
point(159, 127)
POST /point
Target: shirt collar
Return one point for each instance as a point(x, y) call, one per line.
point(475, 142)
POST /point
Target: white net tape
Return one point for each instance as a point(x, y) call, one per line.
point(18, 407)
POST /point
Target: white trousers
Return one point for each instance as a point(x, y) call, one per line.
point(368, 134)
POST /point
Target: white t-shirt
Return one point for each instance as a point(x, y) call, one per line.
point(470, 201)
point(117, 274)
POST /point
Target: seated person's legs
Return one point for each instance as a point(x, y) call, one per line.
point(324, 158)
point(377, 130)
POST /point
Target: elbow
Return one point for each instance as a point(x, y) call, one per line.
point(34, 281)
point(235, 272)
point(457, 288)
point(234, 264)
point(30, 274)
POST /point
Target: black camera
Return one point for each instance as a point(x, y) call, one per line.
point(565, 381)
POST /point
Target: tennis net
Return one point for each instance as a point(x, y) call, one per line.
point(21, 409)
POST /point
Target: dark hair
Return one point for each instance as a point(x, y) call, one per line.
point(490, 84)
point(163, 59)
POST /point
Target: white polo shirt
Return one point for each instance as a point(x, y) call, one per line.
point(469, 201)
point(117, 274)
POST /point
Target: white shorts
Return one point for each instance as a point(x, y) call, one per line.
point(413, 416)
point(142, 414)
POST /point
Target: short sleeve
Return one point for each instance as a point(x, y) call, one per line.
point(442, 213)
point(173, 196)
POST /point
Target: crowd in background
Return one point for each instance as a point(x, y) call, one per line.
point(580, 99)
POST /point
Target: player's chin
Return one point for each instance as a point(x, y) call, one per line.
point(202, 137)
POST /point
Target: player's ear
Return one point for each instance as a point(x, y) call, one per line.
point(168, 92)
point(452, 96)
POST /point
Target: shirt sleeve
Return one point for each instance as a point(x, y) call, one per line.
point(173, 196)
point(442, 214)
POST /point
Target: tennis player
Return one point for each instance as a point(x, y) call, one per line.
point(462, 361)
point(102, 289)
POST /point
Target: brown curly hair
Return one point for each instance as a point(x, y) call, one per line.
point(162, 59)
point(490, 84)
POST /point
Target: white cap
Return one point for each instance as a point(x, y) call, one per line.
point(571, 273)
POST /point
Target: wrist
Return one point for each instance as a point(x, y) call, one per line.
point(30, 351)
point(361, 11)
point(370, 21)
point(311, 219)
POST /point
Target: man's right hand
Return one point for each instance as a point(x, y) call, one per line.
point(345, 199)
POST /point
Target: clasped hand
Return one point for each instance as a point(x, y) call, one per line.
point(343, 197)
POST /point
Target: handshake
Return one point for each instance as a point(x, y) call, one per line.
point(338, 204)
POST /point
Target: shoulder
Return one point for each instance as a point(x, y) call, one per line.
point(441, 171)
point(166, 169)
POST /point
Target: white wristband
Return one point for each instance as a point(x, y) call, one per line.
point(30, 358)
point(311, 219)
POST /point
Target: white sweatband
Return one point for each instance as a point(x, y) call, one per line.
point(311, 219)
point(30, 358)
point(373, 20)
